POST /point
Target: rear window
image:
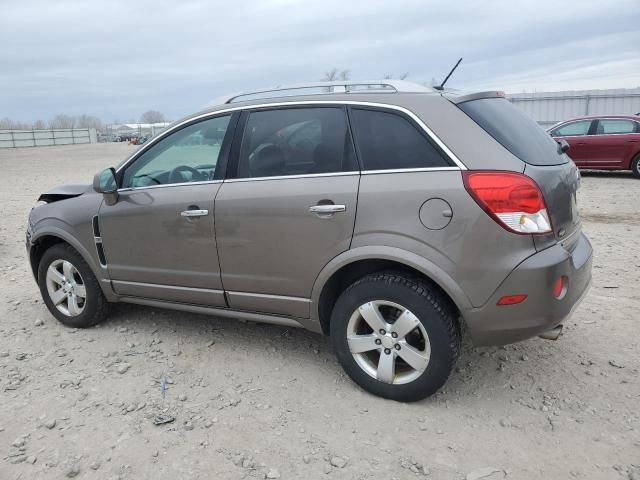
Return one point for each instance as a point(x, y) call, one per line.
point(388, 141)
point(515, 130)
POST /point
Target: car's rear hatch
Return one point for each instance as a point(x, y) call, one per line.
point(555, 174)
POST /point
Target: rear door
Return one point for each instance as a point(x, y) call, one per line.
point(577, 136)
point(287, 207)
point(614, 143)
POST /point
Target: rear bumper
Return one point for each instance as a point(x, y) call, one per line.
point(498, 325)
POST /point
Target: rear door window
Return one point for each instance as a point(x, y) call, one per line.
point(615, 127)
point(387, 141)
point(573, 129)
point(515, 130)
point(296, 141)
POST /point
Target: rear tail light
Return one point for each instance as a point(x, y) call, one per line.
point(511, 199)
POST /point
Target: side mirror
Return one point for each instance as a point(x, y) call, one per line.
point(105, 182)
point(563, 146)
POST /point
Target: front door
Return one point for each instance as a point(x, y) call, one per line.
point(159, 236)
point(577, 136)
point(289, 209)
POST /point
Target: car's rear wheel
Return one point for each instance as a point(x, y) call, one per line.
point(635, 166)
point(395, 336)
point(69, 288)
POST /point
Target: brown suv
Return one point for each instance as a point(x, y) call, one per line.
point(386, 215)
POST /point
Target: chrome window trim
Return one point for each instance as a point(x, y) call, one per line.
point(204, 116)
point(569, 122)
point(408, 170)
point(164, 185)
point(611, 134)
point(287, 177)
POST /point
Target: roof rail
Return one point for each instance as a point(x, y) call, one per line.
point(338, 86)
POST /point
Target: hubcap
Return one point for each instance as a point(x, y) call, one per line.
point(66, 288)
point(388, 342)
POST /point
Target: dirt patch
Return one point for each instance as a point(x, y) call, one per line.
point(166, 395)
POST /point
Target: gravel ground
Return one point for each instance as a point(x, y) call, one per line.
point(261, 401)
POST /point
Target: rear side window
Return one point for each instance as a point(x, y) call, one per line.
point(574, 129)
point(389, 141)
point(611, 127)
point(296, 141)
point(515, 130)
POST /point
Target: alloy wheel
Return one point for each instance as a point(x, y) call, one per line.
point(388, 342)
point(66, 288)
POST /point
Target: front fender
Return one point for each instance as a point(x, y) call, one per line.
point(426, 267)
point(80, 241)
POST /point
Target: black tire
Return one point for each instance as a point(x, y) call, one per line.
point(635, 166)
point(433, 310)
point(95, 306)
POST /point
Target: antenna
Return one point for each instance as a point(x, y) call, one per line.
point(441, 86)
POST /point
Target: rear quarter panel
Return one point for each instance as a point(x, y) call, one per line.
point(472, 249)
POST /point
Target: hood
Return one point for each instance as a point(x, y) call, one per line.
point(63, 192)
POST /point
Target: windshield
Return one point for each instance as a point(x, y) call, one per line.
point(515, 130)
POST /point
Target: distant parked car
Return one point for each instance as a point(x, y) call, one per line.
point(127, 136)
point(108, 137)
point(602, 143)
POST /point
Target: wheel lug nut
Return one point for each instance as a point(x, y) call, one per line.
point(394, 335)
point(382, 332)
point(397, 346)
point(378, 341)
point(387, 351)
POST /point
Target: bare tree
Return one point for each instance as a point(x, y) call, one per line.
point(39, 125)
point(9, 124)
point(89, 121)
point(62, 121)
point(336, 74)
point(6, 124)
point(390, 76)
point(152, 116)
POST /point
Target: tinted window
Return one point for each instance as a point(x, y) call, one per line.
point(572, 129)
point(296, 141)
point(608, 127)
point(515, 130)
point(188, 155)
point(389, 141)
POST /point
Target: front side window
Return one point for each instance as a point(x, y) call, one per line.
point(296, 141)
point(612, 127)
point(574, 129)
point(389, 141)
point(188, 155)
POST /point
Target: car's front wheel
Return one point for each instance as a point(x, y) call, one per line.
point(395, 336)
point(69, 288)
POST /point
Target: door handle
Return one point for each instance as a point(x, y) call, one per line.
point(194, 213)
point(329, 209)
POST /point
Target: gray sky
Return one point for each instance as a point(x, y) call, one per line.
point(115, 59)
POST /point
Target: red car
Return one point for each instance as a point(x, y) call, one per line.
point(602, 143)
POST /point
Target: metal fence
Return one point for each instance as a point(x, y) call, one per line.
point(41, 138)
point(549, 108)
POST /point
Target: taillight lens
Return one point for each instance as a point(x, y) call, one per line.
point(512, 199)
